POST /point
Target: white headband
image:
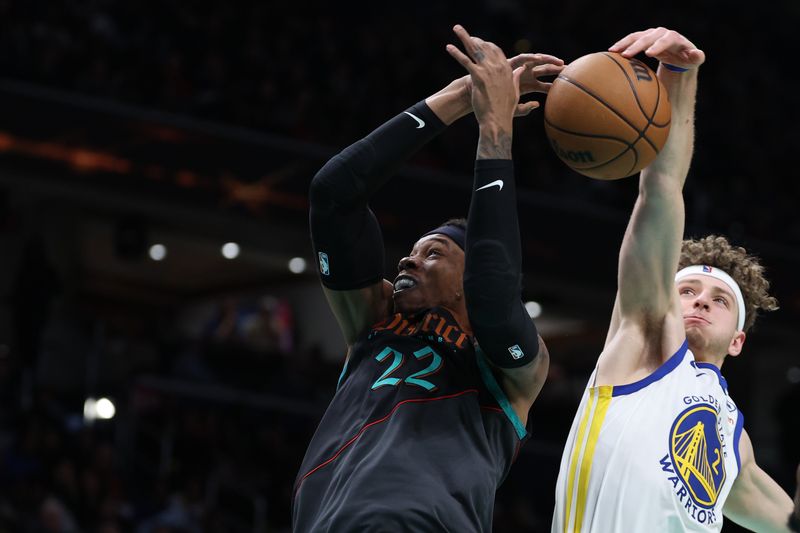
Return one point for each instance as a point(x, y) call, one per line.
point(721, 275)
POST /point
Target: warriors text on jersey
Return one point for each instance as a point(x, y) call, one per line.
point(417, 437)
point(660, 454)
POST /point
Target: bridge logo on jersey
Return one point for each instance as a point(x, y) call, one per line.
point(696, 451)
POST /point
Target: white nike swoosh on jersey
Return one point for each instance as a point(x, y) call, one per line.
point(420, 122)
point(499, 183)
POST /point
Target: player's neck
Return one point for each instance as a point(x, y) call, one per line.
point(702, 356)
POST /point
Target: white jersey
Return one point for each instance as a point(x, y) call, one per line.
point(660, 454)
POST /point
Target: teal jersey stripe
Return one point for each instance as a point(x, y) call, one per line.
point(344, 370)
point(499, 395)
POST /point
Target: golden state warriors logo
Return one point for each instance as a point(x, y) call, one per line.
point(697, 455)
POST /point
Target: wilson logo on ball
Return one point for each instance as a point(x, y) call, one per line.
point(583, 156)
point(641, 71)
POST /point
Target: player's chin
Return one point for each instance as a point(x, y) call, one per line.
point(695, 337)
point(408, 301)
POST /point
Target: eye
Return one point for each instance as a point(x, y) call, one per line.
point(721, 300)
point(686, 290)
point(434, 251)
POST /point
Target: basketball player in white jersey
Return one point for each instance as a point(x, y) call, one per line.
point(658, 444)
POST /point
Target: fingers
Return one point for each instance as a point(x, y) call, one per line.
point(546, 70)
point(625, 42)
point(534, 59)
point(459, 56)
point(661, 43)
point(464, 37)
point(475, 47)
point(640, 41)
point(670, 41)
point(517, 74)
point(696, 56)
point(643, 42)
point(523, 110)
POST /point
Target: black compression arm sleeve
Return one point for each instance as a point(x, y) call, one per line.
point(345, 233)
point(493, 269)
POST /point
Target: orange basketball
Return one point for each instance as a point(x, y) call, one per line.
point(606, 116)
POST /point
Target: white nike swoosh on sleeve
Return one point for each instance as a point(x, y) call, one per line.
point(420, 122)
point(499, 183)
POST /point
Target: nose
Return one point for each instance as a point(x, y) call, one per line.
point(701, 301)
point(407, 263)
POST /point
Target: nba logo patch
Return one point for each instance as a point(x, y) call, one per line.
point(515, 351)
point(323, 264)
point(707, 268)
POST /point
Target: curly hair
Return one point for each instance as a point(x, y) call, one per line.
point(745, 269)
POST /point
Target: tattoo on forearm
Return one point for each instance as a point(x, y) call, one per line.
point(494, 148)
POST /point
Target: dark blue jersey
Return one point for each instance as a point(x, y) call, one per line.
point(418, 436)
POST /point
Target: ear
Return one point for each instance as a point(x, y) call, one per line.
point(737, 343)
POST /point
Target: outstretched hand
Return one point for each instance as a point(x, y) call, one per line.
point(495, 85)
point(536, 66)
point(668, 46)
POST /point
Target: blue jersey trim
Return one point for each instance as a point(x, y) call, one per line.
point(499, 395)
point(670, 365)
point(344, 370)
point(712, 367)
point(737, 434)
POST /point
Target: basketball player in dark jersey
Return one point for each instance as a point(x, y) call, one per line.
point(443, 364)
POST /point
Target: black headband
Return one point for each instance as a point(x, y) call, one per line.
point(457, 234)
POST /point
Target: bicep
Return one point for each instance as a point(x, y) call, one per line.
point(356, 310)
point(756, 501)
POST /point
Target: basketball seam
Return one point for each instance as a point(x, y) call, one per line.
point(623, 141)
point(594, 135)
point(610, 108)
point(635, 161)
point(650, 121)
point(630, 82)
point(638, 103)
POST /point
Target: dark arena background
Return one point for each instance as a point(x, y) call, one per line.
point(165, 348)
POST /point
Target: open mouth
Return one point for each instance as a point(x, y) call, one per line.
point(404, 282)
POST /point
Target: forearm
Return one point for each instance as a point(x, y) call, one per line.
point(492, 220)
point(669, 170)
point(373, 159)
point(758, 503)
point(651, 246)
point(493, 266)
point(452, 102)
point(494, 142)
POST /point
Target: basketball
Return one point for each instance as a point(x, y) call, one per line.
point(607, 117)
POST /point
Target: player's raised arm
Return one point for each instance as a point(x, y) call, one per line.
point(493, 263)
point(345, 233)
point(347, 238)
point(646, 296)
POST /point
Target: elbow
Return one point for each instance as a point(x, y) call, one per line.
point(319, 191)
point(334, 188)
